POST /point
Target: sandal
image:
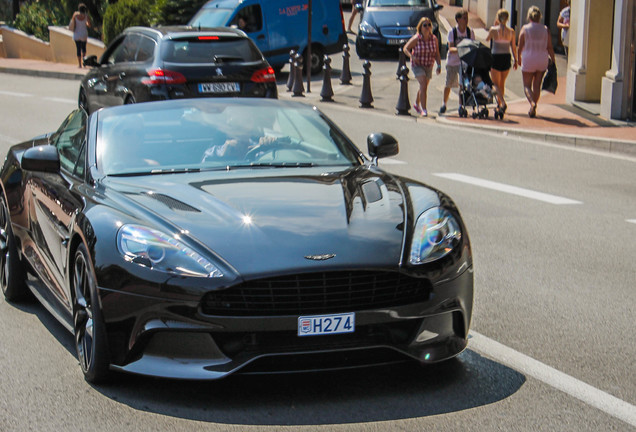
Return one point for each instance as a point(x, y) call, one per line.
point(533, 112)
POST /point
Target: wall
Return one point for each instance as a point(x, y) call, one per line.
point(63, 46)
point(18, 44)
point(61, 49)
point(599, 47)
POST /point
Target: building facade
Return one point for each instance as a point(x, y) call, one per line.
point(602, 61)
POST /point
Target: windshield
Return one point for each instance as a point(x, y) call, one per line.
point(211, 17)
point(425, 3)
point(213, 134)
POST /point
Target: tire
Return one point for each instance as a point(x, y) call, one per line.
point(130, 99)
point(317, 59)
point(88, 324)
point(362, 52)
point(12, 272)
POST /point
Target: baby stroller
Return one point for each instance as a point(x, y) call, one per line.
point(475, 85)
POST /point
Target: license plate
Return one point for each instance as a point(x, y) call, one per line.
point(326, 324)
point(228, 87)
point(396, 41)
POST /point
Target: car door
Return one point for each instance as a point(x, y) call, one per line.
point(120, 63)
point(254, 25)
point(97, 78)
point(55, 204)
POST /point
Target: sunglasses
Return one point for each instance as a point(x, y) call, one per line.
point(427, 25)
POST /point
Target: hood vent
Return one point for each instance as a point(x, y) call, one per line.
point(172, 203)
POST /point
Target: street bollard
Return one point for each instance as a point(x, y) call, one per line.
point(401, 62)
point(326, 93)
point(403, 106)
point(299, 88)
point(365, 97)
point(345, 75)
point(292, 71)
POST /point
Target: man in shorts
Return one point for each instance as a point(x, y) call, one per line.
point(455, 36)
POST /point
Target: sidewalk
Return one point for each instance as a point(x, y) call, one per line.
point(555, 122)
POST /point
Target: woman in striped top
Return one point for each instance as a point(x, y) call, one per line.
point(423, 50)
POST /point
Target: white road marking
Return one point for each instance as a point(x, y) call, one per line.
point(527, 193)
point(8, 93)
point(631, 221)
point(584, 392)
point(63, 100)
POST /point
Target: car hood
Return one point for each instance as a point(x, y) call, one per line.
point(398, 16)
point(276, 221)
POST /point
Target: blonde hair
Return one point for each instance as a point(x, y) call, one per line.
point(424, 20)
point(502, 16)
point(534, 14)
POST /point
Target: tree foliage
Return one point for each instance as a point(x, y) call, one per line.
point(35, 18)
point(172, 12)
point(126, 13)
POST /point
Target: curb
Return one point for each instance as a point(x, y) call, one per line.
point(41, 73)
point(606, 145)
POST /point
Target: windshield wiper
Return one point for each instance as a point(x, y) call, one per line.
point(273, 165)
point(163, 171)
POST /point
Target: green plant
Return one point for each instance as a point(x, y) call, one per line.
point(126, 13)
point(35, 18)
point(172, 12)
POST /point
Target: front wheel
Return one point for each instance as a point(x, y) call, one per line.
point(317, 59)
point(12, 273)
point(88, 324)
point(130, 99)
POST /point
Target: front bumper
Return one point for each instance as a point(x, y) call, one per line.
point(172, 339)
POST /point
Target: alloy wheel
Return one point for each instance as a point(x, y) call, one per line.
point(83, 313)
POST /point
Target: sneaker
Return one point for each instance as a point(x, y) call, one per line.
point(424, 113)
point(442, 109)
point(417, 108)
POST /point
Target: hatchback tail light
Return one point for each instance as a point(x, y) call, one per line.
point(162, 76)
point(264, 75)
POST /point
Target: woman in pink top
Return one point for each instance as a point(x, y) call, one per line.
point(535, 48)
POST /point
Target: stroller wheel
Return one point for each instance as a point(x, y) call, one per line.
point(496, 114)
point(484, 113)
point(475, 115)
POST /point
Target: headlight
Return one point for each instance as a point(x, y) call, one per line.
point(365, 27)
point(158, 251)
point(436, 234)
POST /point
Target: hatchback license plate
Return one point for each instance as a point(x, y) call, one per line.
point(228, 87)
point(396, 41)
point(326, 324)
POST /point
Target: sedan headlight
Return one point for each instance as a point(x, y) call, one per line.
point(436, 234)
point(367, 28)
point(158, 251)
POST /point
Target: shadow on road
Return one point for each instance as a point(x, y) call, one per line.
point(354, 396)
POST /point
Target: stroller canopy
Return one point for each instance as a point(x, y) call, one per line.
point(475, 54)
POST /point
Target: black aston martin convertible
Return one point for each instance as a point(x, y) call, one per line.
point(198, 238)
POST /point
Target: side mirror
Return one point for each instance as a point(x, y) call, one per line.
point(382, 145)
point(359, 7)
point(91, 61)
point(438, 7)
point(42, 158)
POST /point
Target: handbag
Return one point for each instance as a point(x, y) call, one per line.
point(550, 81)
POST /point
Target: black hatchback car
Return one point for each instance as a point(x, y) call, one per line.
point(149, 64)
point(386, 25)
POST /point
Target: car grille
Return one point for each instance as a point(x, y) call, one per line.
point(317, 293)
point(400, 32)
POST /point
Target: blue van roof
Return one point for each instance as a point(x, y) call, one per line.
point(223, 4)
